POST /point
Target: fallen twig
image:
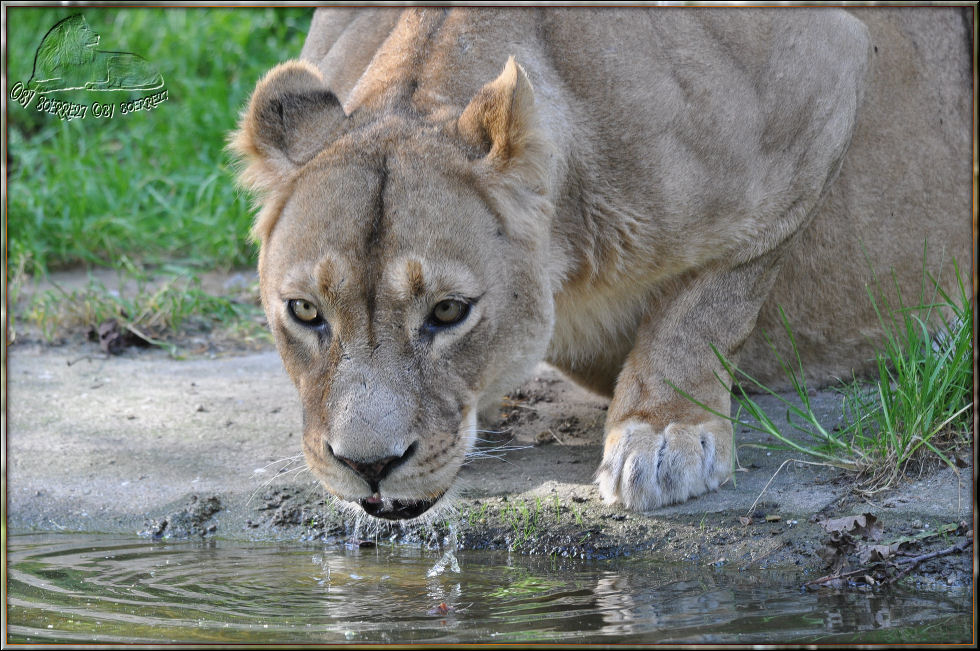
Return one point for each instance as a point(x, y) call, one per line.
point(911, 563)
point(835, 577)
point(72, 362)
point(915, 560)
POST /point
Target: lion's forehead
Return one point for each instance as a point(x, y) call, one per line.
point(343, 279)
point(382, 227)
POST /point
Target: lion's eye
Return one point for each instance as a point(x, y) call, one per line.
point(449, 312)
point(304, 312)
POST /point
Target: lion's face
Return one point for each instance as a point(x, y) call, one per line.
point(75, 40)
point(398, 300)
point(71, 42)
point(403, 272)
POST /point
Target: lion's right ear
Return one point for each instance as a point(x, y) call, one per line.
point(289, 119)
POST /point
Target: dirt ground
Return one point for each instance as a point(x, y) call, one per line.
point(144, 444)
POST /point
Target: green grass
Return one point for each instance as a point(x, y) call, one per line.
point(149, 187)
point(923, 399)
point(152, 190)
point(475, 516)
point(160, 313)
point(917, 409)
point(523, 520)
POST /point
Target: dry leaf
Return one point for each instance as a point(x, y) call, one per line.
point(865, 525)
point(876, 553)
point(113, 337)
point(834, 557)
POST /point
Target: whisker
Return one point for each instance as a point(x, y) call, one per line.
point(494, 453)
point(289, 459)
point(283, 470)
point(283, 473)
point(504, 447)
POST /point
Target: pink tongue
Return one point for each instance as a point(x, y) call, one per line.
point(374, 499)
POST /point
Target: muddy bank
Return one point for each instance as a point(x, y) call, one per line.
point(144, 445)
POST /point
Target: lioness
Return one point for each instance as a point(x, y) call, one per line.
point(449, 196)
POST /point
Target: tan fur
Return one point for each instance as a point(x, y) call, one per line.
point(613, 191)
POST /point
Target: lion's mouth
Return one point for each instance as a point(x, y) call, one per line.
point(395, 509)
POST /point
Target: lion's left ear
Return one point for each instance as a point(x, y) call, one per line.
point(290, 118)
point(501, 122)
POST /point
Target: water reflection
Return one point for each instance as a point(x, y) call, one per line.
point(92, 589)
point(849, 613)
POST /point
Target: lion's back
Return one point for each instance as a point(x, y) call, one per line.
point(905, 184)
point(342, 42)
point(904, 180)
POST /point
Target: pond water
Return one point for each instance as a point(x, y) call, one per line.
point(83, 588)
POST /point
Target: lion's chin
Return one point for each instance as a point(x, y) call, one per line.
point(396, 509)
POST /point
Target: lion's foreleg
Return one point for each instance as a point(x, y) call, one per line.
point(660, 447)
point(46, 85)
point(101, 73)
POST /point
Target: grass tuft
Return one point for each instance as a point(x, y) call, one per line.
point(157, 312)
point(524, 520)
point(918, 409)
point(922, 403)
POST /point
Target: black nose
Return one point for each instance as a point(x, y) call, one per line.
point(375, 470)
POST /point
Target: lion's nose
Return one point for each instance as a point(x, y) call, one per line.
point(375, 470)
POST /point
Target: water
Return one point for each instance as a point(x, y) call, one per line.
point(103, 589)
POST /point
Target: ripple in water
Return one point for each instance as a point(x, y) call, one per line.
point(103, 589)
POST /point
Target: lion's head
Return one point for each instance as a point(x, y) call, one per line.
point(403, 273)
point(70, 42)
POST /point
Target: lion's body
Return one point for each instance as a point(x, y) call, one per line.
point(669, 182)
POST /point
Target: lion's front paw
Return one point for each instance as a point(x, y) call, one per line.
point(644, 468)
